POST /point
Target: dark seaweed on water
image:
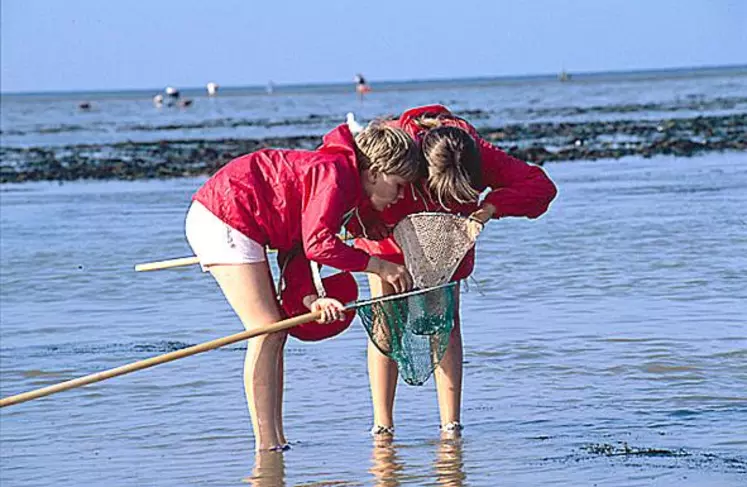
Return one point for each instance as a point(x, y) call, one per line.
point(534, 142)
point(656, 457)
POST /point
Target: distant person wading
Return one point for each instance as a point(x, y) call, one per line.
point(361, 87)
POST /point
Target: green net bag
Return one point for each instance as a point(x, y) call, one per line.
point(413, 329)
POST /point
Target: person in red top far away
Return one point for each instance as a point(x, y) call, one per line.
point(460, 165)
point(361, 87)
point(296, 202)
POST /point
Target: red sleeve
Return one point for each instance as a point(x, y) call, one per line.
point(328, 197)
point(518, 188)
point(296, 272)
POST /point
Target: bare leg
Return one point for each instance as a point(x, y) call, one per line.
point(448, 374)
point(249, 290)
point(282, 440)
point(382, 371)
point(281, 380)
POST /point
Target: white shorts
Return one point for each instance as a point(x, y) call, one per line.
point(215, 242)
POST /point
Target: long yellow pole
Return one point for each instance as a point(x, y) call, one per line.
point(160, 359)
point(167, 264)
point(193, 350)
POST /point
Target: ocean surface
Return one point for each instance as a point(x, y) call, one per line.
point(44, 120)
point(605, 343)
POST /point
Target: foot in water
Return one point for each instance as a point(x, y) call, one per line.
point(379, 430)
point(452, 430)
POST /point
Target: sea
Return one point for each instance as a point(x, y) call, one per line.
point(605, 343)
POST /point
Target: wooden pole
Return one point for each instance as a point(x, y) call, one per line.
point(185, 261)
point(167, 264)
point(195, 349)
point(159, 359)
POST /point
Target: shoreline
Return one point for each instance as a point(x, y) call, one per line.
point(537, 142)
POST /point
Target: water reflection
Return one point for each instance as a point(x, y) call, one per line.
point(389, 470)
point(449, 463)
point(387, 467)
point(269, 470)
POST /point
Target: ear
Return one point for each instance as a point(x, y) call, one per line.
point(371, 176)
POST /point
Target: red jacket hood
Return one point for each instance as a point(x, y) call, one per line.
point(340, 141)
point(410, 115)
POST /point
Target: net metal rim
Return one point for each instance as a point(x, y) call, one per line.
point(390, 297)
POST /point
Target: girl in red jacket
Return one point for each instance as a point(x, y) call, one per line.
point(460, 166)
point(296, 202)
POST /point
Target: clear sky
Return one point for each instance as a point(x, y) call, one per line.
point(49, 45)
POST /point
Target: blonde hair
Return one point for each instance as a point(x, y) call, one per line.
point(388, 150)
point(429, 121)
point(454, 164)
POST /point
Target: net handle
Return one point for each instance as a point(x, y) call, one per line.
point(390, 297)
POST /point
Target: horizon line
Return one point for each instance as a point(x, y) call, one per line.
point(511, 77)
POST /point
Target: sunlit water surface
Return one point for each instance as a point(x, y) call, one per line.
point(605, 344)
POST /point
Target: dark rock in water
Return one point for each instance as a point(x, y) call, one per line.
point(539, 142)
point(472, 115)
point(535, 154)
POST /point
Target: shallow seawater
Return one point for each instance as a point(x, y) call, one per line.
point(43, 121)
point(605, 344)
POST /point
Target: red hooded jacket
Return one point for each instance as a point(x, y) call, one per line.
point(517, 188)
point(293, 200)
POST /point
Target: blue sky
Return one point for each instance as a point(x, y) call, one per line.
point(108, 44)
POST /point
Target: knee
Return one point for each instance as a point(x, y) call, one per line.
point(269, 341)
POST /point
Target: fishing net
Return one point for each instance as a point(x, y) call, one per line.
point(410, 330)
point(413, 329)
